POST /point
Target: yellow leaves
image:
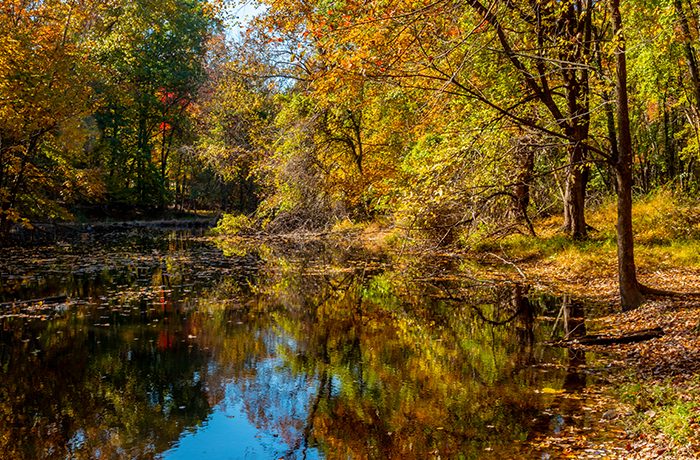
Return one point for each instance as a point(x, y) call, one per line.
point(550, 391)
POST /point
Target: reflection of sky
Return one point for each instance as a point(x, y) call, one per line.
point(226, 434)
point(250, 421)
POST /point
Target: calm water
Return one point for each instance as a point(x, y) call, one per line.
point(166, 348)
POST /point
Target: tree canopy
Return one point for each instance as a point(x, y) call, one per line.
point(454, 120)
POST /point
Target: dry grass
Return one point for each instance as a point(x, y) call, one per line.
point(667, 239)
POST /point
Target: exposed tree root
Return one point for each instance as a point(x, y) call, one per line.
point(654, 292)
point(632, 337)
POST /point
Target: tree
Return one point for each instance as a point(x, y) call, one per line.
point(45, 93)
point(630, 290)
point(234, 115)
point(538, 76)
point(155, 53)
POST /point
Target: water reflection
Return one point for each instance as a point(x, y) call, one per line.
point(171, 350)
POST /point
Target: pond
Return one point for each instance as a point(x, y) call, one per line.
point(152, 344)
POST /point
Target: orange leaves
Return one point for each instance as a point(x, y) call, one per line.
point(41, 64)
point(45, 77)
point(652, 110)
point(483, 25)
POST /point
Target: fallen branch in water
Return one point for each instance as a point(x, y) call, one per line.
point(43, 300)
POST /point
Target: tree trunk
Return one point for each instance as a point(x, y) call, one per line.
point(141, 158)
point(575, 195)
point(690, 56)
point(525, 162)
point(630, 293)
point(578, 23)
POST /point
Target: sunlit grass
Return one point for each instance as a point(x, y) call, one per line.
point(657, 406)
point(666, 228)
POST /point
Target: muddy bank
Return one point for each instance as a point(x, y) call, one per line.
point(51, 232)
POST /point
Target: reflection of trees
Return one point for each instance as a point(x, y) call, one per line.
point(66, 395)
point(126, 374)
point(330, 355)
point(395, 373)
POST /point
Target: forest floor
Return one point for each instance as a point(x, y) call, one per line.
point(654, 391)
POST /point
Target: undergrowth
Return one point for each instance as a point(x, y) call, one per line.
point(666, 228)
point(658, 408)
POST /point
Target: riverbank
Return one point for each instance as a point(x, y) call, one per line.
point(39, 233)
point(653, 390)
point(654, 384)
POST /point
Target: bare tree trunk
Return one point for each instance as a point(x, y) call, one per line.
point(525, 160)
point(630, 292)
point(575, 196)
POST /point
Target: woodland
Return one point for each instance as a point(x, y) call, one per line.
point(557, 139)
point(456, 120)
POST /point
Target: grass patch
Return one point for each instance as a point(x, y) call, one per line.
point(595, 256)
point(666, 227)
point(659, 408)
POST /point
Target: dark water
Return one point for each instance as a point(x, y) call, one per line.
point(166, 348)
